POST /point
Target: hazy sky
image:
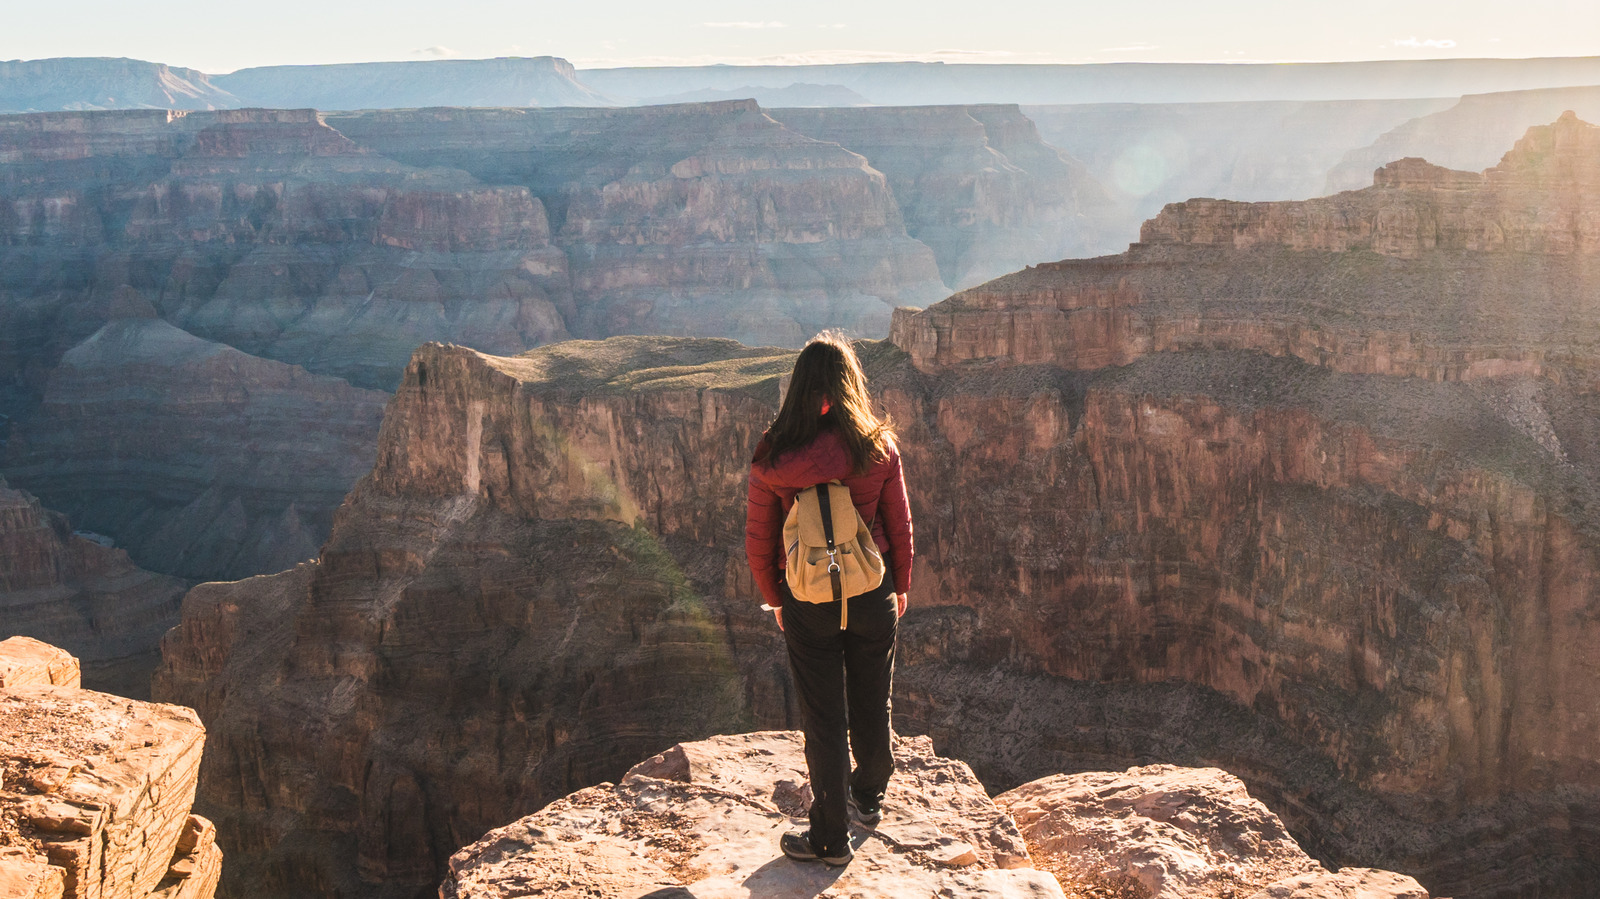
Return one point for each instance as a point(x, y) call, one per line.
point(222, 36)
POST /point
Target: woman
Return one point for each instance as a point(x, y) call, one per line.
point(826, 431)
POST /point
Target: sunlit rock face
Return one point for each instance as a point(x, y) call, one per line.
point(1320, 517)
point(975, 183)
point(1332, 460)
point(1466, 133)
point(514, 603)
point(73, 591)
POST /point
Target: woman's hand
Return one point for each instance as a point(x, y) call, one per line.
point(778, 614)
point(900, 600)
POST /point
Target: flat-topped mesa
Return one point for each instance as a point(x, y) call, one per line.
point(1429, 273)
point(95, 790)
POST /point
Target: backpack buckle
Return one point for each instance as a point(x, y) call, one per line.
point(833, 561)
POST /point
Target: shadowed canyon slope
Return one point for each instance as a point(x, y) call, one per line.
point(1301, 490)
point(70, 590)
point(201, 460)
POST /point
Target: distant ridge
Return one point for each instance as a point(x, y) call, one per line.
point(74, 83)
point(78, 83)
point(84, 83)
point(925, 83)
point(504, 81)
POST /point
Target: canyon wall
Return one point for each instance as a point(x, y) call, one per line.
point(75, 592)
point(1304, 491)
point(697, 220)
point(506, 607)
point(1470, 133)
point(201, 461)
point(975, 183)
point(254, 246)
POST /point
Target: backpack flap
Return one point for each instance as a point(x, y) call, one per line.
point(846, 521)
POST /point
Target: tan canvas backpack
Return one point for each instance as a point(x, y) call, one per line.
point(831, 555)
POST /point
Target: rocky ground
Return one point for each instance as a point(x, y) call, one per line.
point(95, 790)
point(703, 820)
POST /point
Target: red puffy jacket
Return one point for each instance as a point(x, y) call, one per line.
point(879, 495)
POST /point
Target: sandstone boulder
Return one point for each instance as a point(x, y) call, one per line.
point(703, 820)
point(100, 788)
point(25, 661)
point(1160, 831)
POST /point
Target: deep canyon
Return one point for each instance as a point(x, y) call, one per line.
point(1299, 486)
point(1302, 490)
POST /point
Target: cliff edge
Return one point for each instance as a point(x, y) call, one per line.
point(95, 790)
point(703, 819)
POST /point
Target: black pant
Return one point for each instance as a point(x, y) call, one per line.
point(843, 679)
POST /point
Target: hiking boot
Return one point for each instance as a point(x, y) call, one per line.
point(867, 813)
point(797, 845)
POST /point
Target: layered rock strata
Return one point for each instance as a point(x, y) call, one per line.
point(270, 232)
point(1343, 477)
point(200, 460)
point(1354, 567)
point(266, 230)
point(506, 611)
point(704, 819)
point(975, 183)
point(1353, 282)
point(95, 793)
point(706, 219)
point(75, 592)
point(1470, 133)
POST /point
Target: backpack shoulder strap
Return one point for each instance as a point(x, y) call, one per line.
point(825, 505)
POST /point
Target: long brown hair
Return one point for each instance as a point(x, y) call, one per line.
point(827, 368)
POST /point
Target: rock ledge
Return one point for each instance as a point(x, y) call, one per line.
point(702, 820)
